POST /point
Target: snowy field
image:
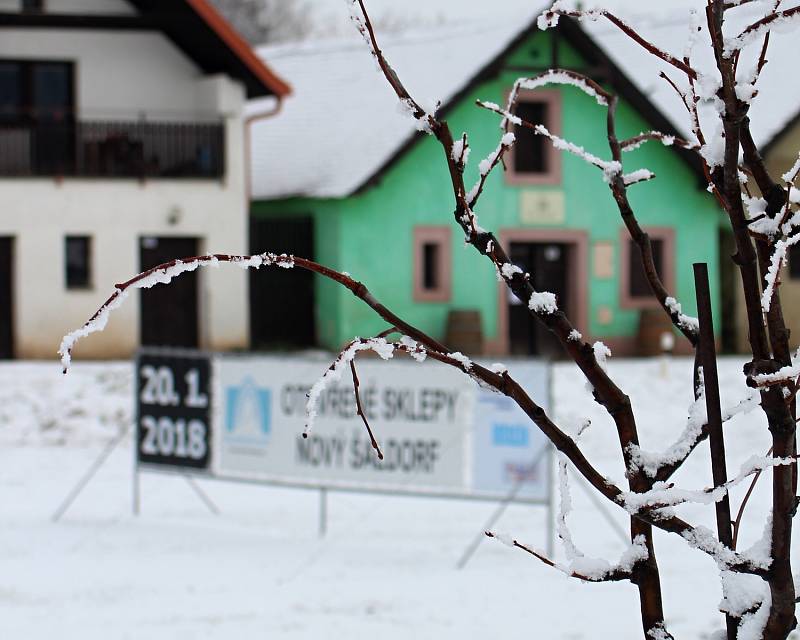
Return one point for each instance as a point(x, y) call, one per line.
point(386, 568)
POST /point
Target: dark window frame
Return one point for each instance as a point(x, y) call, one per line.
point(551, 175)
point(629, 251)
point(78, 277)
point(441, 278)
point(27, 113)
point(32, 6)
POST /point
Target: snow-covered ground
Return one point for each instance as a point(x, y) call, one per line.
point(386, 568)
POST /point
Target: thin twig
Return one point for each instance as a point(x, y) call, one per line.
point(615, 575)
point(738, 522)
point(360, 411)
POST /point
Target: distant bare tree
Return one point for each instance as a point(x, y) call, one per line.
point(267, 21)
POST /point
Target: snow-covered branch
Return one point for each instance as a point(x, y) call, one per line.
point(661, 466)
point(161, 274)
point(664, 495)
point(775, 20)
point(583, 568)
point(667, 140)
point(487, 164)
point(549, 19)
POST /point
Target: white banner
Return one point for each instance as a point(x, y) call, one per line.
point(438, 431)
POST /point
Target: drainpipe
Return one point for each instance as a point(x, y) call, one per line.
point(249, 187)
point(247, 158)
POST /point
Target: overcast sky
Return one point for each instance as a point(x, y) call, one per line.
point(456, 10)
point(330, 13)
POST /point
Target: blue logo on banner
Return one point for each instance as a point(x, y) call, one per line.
point(248, 411)
point(510, 435)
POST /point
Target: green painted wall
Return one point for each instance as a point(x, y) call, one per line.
point(370, 234)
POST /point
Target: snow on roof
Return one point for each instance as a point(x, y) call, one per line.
point(342, 122)
point(778, 99)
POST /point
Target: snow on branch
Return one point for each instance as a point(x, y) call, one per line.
point(587, 569)
point(460, 151)
point(379, 345)
point(549, 19)
point(635, 177)
point(487, 164)
point(703, 539)
point(562, 77)
point(689, 323)
point(611, 168)
point(543, 302)
point(662, 465)
point(161, 274)
point(667, 140)
point(565, 506)
point(652, 463)
point(777, 260)
point(781, 376)
point(777, 20)
point(791, 174)
point(665, 495)
point(746, 597)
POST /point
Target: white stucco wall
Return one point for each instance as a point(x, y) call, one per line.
point(122, 75)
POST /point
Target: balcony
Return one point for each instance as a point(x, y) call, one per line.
point(113, 149)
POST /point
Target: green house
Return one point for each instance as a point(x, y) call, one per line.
point(341, 175)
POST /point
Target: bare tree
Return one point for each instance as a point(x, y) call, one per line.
point(268, 21)
point(730, 161)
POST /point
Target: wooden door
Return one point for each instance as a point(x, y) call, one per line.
point(548, 264)
point(282, 300)
point(168, 315)
point(6, 297)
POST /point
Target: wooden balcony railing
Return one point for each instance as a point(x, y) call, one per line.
point(113, 149)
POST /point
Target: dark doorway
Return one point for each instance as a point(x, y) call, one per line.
point(282, 300)
point(169, 312)
point(548, 264)
point(6, 298)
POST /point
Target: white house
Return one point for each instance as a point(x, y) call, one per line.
point(121, 146)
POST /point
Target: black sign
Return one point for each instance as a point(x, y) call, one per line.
point(173, 409)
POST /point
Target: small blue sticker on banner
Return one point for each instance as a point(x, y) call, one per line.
point(248, 411)
point(510, 435)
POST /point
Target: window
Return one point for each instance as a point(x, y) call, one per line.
point(32, 6)
point(36, 92)
point(36, 105)
point(432, 264)
point(78, 262)
point(533, 159)
point(635, 288)
point(530, 156)
point(638, 286)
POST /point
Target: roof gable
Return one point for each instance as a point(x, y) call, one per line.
point(204, 35)
point(604, 70)
point(344, 110)
point(342, 129)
